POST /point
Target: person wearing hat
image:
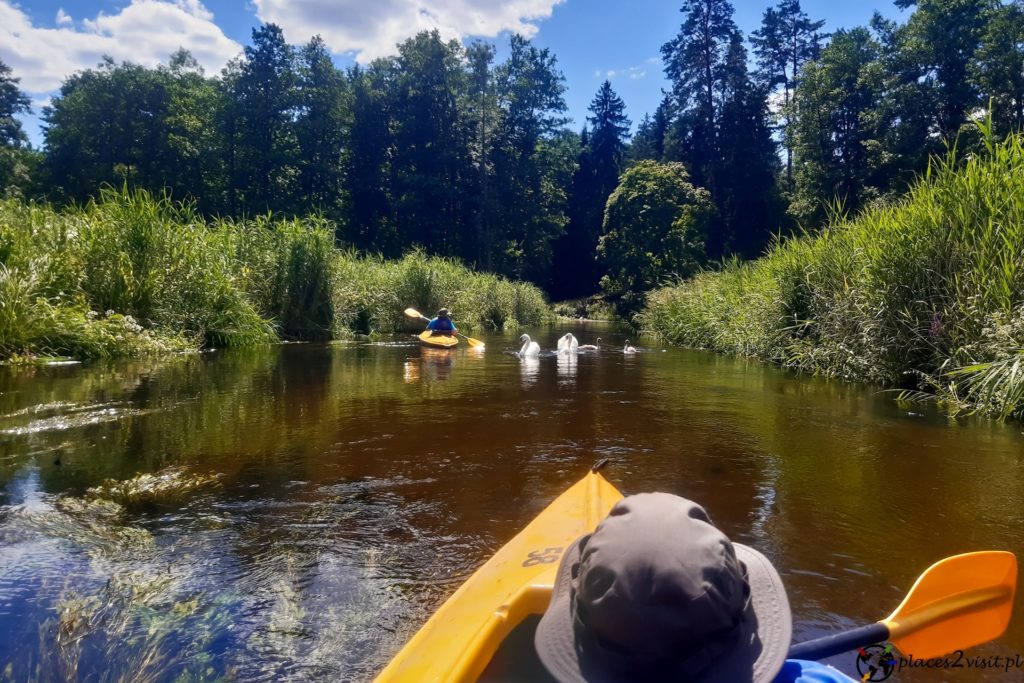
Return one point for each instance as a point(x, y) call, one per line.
point(442, 324)
point(658, 593)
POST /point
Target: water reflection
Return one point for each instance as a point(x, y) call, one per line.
point(431, 365)
point(411, 371)
point(360, 484)
point(437, 364)
point(567, 363)
point(529, 370)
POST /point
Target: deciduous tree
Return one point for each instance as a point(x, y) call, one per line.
point(655, 226)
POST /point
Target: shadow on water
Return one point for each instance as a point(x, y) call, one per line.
point(325, 498)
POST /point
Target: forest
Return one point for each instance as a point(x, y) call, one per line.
point(444, 149)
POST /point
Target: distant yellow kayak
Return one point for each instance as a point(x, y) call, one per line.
point(459, 640)
point(438, 341)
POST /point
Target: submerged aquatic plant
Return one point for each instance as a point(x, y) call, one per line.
point(143, 625)
point(136, 615)
point(166, 486)
point(96, 526)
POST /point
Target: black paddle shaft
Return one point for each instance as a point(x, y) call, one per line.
point(820, 648)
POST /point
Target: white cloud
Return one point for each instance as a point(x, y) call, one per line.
point(370, 29)
point(146, 32)
point(634, 73)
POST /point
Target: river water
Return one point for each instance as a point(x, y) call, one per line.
point(349, 488)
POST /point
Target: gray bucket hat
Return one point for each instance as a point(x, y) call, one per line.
point(657, 593)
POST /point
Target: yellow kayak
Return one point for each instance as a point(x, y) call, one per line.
point(438, 341)
point(458, 642)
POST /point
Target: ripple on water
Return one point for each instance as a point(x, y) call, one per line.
point(65, 416)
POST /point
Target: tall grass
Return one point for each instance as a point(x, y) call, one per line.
point(131, 274)
point(927, 293)
point(371, 293)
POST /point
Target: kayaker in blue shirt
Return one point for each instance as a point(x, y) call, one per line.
point(658, 593)
point(442, 324)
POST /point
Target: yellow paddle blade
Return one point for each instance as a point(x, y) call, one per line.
point(475, 343)
point(413, 313)
point(959, 602)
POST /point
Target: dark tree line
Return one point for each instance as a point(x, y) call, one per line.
point(438, 148)
point(858, 114)
point(442, 148)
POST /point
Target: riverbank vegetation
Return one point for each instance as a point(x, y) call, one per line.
point(445, 150)
point(926, 293)
point(132, 274)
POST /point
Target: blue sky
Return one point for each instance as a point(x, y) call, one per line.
point(46, 40)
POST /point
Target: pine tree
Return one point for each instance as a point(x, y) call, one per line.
point(747, 201)
point(529, 155)
point(16, 161)
point(430, 152)
point(481, 118)
point(267, 102)
point(12, 102)
point(695, 64)
point(650, 139)
point(786, 40)
point(642, 145)
point(369, 219)
point(721, 129)
point(609, 130)
point(320, 128)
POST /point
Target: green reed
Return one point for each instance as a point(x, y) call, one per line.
point(925, 293)
point(371, 293)
point(134, 274)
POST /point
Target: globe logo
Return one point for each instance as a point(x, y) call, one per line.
point(875, 663)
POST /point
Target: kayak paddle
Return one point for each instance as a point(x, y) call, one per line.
point(474, 343)
point(959, 602)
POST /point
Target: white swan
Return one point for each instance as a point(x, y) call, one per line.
point(531, 349)
point(628, 349)
point(591, 347)
point(567, 343)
